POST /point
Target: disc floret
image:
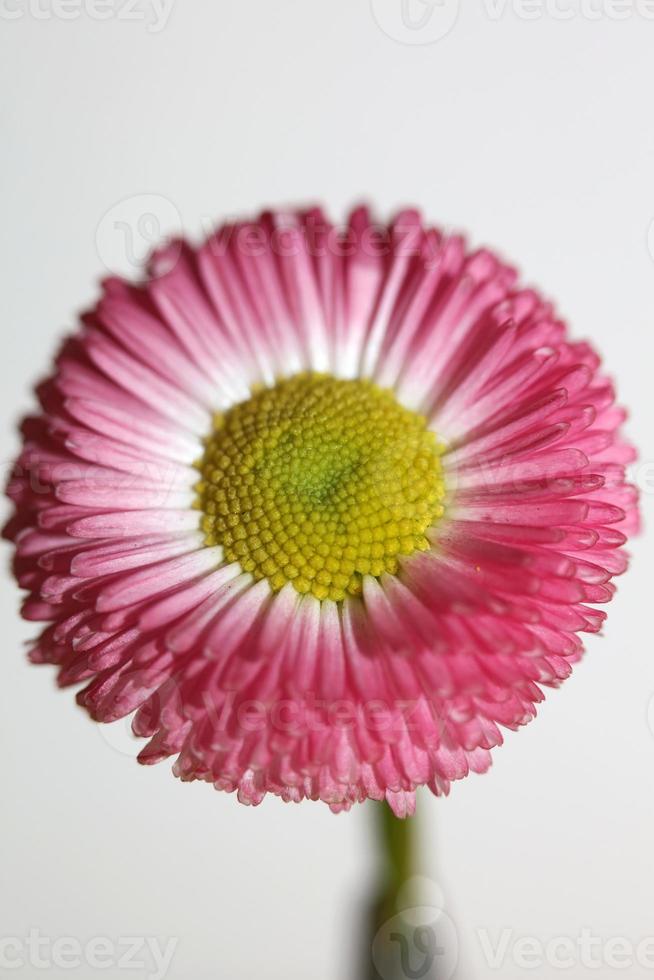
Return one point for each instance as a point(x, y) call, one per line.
point(320, 481)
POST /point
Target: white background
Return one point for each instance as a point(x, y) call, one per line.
point(534, 135)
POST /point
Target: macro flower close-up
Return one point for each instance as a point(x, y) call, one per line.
point(326, 507)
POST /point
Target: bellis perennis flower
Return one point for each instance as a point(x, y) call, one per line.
point(325, 507)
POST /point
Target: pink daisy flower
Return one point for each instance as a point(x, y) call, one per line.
point(326, 507)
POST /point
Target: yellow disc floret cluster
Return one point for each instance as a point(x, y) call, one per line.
point(320, 481)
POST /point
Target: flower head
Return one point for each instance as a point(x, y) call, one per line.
point(325, 507)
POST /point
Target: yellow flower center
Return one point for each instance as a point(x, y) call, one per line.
point(319, 482)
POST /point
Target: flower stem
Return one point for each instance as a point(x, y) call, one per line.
point(397, 843)
point(396, 847)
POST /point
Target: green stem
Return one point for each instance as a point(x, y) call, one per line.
point(396, 847)
point(397, 844)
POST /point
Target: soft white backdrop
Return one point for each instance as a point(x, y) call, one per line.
point(533, 133)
